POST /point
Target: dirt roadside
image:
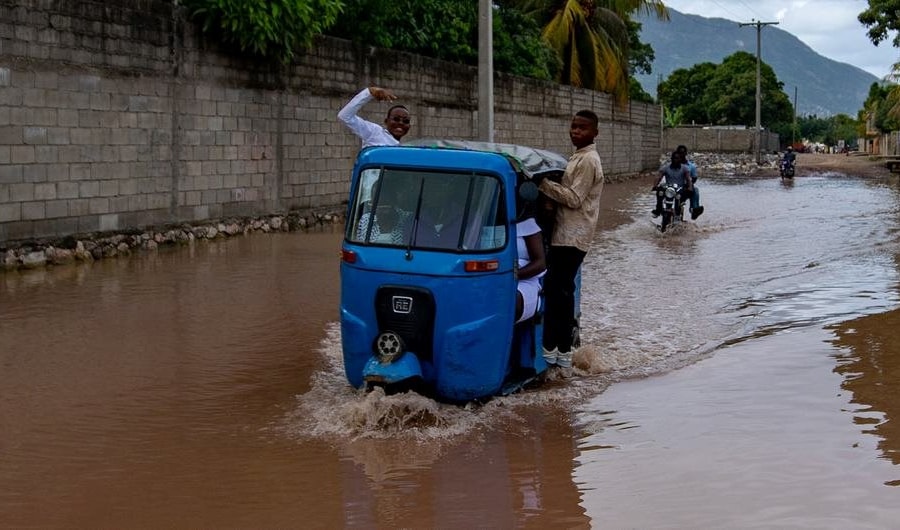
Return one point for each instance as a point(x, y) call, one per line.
point(859, 165)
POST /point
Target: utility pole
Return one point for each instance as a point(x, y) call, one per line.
point(662, 114)
point(794, 125)
point(485, 71)
point(759, 26)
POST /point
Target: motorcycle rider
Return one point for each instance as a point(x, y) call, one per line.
point(790, 155)
point(789, 158)
point(676, 172)
point(696, 208)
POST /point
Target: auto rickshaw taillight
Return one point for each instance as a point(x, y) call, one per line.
point(348, 256)
point(482, 265)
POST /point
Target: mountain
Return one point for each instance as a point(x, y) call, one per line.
point(823, 87)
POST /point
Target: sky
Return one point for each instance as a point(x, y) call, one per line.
point(830, 27)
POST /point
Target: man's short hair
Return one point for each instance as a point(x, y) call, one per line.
point(682, 148)
point(390, 110)
point(589, 114)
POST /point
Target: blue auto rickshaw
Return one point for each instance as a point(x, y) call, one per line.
point(428, 269)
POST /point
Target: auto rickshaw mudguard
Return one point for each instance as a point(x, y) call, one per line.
point(404, 368)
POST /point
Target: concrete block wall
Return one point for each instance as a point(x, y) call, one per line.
point(885, 144)
point(719, 140)
point(117, 115)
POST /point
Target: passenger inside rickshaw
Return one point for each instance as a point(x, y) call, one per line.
point(390, 200)
point(532, 263)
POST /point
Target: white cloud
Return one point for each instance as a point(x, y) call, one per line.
point(830, 27)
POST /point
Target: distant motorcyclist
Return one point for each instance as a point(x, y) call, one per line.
point(787, 162)
point(678, 173)
point(790, 155)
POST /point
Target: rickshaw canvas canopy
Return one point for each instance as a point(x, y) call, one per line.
point(528, 160)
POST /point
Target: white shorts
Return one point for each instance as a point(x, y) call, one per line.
point(530, 288)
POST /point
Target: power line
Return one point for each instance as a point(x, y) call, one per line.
point(748, 7)
point(729, 10)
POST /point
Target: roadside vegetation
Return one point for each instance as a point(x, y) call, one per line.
point(882, 107)
point(725, 94)
point(585, 43)
point(274, 30)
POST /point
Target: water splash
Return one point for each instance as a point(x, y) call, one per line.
point(331, 409)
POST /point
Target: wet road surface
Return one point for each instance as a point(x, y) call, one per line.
point(739, 373)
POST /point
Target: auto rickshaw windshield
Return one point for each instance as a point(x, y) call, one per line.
point(428, 209)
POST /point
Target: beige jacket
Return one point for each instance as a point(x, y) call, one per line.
point(578, 199)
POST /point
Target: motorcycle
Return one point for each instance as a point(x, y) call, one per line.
point(672, 206)
point(428, 270)
point(786, 169)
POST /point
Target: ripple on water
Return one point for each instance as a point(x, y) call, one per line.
point(761, 259)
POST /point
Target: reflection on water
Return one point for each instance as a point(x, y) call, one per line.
point(760, 435)
point(140, 386)
point(757, 434)
point(490, 480)
point(869, 362)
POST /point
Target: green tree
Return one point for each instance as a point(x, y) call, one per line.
point(640, 54)
point(673, 116)
point(812, 128)
point(843, 128)
point(882, 104)
point(731, 93)
point(725, 94)
point(591, 38)
point(829, 131)
point(640, 60)
point(519, 48)
point(448, 30)
point(270, 29)
point(684, 91)
point(636, 92)
point(882, 17)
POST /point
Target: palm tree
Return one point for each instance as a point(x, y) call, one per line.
point(893, 92)
point(591, 38)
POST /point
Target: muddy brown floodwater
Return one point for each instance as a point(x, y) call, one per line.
point(202, 387)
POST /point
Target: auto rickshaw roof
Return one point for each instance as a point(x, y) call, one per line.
point(528, 160)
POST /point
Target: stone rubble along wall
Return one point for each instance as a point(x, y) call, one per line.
point(729, 164)
point(116, 115)
point(92, 247)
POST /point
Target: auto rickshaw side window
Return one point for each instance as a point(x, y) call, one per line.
point(487, 213)
point(362, 206)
